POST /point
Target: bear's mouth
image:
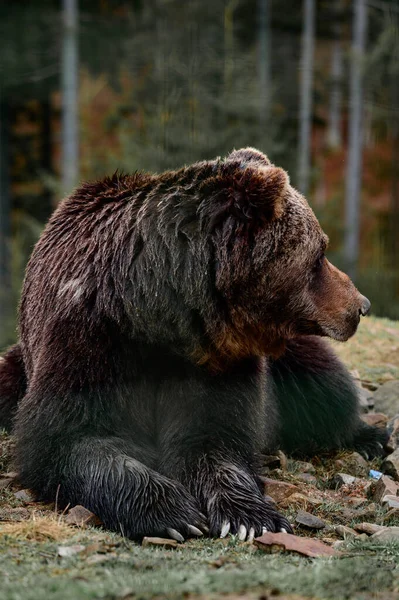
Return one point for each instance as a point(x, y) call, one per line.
point(309, 327)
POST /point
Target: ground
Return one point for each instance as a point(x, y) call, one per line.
point(43, 557)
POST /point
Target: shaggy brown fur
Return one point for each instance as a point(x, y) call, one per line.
point(151, 309)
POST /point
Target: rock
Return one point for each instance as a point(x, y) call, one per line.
point(375, 419)
point(390, 466)
point(305, 519)
point(67, 551)
point(353, 464)
point(369, 528)
point(384, 486)
point(306, 477)
point(388, 534)
point(390, 501)
point(386, 398)
point(365, 398)
point(286, 542)
point(302, 466)
point(269, 462)
point(157, 541)
point(279, 490)
point(24, 495)
point(341, 479)
point(82, 517)
point(346, 532)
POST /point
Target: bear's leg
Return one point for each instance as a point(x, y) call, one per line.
point(318, 402)
point(210, 441)
point(61, 456)
point(12, 385)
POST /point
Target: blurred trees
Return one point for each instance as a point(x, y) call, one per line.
point(160, 83)
point(355, 138)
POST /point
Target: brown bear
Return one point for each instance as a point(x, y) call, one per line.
point(170, 330)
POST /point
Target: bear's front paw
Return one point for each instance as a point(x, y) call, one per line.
point(173, 513)
point(249, 521)
point(371, 442)
point(237, 506)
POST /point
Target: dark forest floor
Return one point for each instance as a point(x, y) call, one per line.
point(41, 557)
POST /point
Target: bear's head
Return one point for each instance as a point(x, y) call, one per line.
point(272, 279)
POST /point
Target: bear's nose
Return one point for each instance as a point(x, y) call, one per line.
point(365, 306)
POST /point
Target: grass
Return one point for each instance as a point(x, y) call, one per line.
point(374, 351)
point(106, 566)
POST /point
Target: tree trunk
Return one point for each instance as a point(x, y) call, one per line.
point(70, 150)
point(305, 112)
point(355, 142)
point(5, 229)
point(264, 60)
point(334, 135)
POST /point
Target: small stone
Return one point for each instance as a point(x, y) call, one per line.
point(390, 466)
point(157, 541)
point(270, 462)
point(375, 419)
point(286, 542)
point(353, 464)
point(305, 519)
point(388, 534)
point(82, 517)
point(302, 466)
point(390, 501)
point(68, 551)
point(369, 528)
point(306, 478)
point(364, 397)
point(24, 495)
point(346, 532)
point(341, 479)
point(384, 486)
point(386, 398)
point(279, 490)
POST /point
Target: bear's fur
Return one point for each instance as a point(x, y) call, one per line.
point(168, 331)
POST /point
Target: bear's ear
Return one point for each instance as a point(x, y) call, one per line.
point(252, 194)
point(247, 156)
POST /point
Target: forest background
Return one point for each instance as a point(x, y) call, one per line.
point(93, 86)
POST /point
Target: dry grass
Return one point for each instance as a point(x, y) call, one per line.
point(374, 350)
point(38, 529)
